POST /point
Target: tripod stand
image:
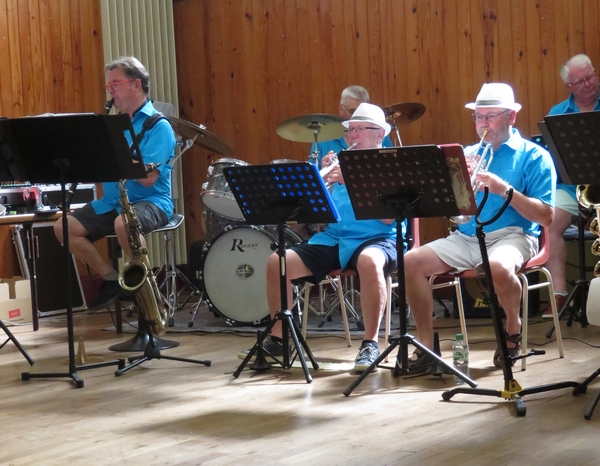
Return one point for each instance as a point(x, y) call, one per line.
point(88, 148)
point(282, 192)
point(401, 173)
point(512, 390)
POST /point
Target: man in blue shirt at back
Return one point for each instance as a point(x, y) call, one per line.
point(511, 240)
point(580, 79)
point(128, 85)
point(351, 98)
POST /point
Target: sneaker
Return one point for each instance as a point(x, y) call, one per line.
point(560, 302)
point(367, 354)
point(271, 348)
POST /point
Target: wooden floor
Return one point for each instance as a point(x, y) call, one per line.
point(173, 413)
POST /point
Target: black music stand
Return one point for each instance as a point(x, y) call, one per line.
point(54, 149)
point(572, 141)
point(575, 138)
point(275, 194)
point(407, 182)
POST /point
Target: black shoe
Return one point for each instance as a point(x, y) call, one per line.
point(272, 349)
point(110, 290)
point(422, 363)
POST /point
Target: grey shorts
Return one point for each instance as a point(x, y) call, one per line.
point(100, 225)
point(321, 260)
point(462, 252)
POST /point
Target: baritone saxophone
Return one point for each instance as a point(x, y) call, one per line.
point(137, 274)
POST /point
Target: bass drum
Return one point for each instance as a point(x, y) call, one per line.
point(233, 273)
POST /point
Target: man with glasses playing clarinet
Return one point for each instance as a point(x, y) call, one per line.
point(128, 85)
point(511, 240)
point(369, 246)
point(581, 81)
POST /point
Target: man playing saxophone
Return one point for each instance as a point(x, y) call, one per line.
point(511, 240)
point(128, 85)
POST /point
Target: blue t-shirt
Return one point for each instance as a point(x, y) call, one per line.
point(338, 145)
point(529, 169)
point(569, 106)
point(350, 233)
point(157, 146)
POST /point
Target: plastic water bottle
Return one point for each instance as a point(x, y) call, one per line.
point(460, 355)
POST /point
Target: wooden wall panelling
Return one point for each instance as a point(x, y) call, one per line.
point(436, 52)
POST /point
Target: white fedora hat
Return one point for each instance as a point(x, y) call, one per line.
point(369, 113)
point(495, 95)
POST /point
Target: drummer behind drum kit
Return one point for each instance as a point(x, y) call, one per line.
point(232, 267)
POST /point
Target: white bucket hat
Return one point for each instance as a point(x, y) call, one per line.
point(371, 114)
point(495, 95)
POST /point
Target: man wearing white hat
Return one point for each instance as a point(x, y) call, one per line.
point(511, 240)
point(369, 246)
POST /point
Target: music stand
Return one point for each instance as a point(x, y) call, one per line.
point(54, 149)
point(275, 194)
point(572, 140)
point(407, 182)
point(575, 138)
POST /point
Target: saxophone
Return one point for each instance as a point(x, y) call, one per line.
point(137, 275)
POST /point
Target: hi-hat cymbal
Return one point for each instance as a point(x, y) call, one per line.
point(302, 128)
point(404, 113)
point(203, 138)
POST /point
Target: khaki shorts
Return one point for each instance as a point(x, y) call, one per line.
point(462, 252)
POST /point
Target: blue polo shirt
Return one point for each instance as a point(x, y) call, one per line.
point(338, 145)
point(349, 232)
point(157, 146)
point(569, 106)
point(529, 169)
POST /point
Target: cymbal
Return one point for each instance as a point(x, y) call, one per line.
point(204, 138)
point(404, 113)
point(302, 128)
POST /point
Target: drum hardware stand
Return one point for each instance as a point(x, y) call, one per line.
point(417, 166)
point(282, 192)
point(512, 390)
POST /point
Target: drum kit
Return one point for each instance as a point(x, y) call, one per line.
point(234, 258)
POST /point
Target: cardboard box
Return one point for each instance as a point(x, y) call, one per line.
point(15, 300)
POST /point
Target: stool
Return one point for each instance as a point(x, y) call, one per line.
point(171, 271)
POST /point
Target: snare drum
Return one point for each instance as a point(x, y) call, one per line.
point(233, 270)
point(216, 194)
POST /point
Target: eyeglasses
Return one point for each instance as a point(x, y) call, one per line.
point(359, 129)
point(588, 79)
point(490, 117)
point(113, 86)
point(349, 110)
